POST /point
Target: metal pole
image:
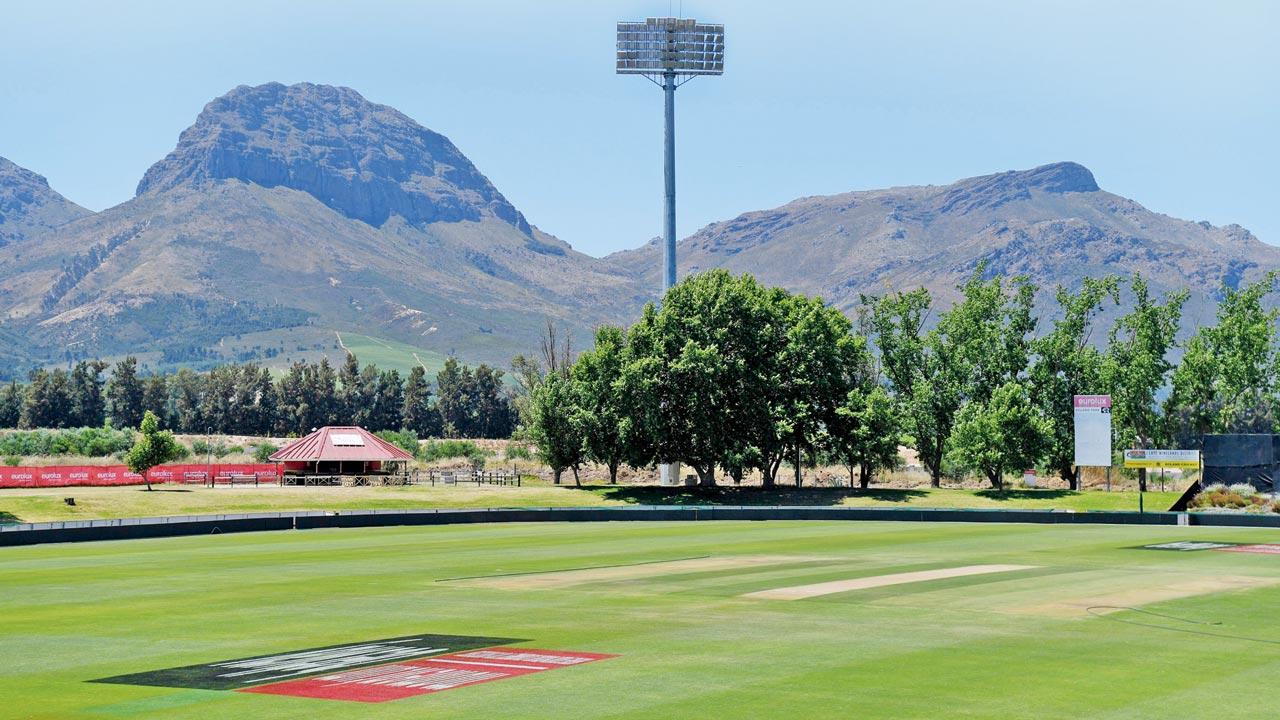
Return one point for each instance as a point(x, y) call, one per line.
point(669, 215)
point(208, 447)
point(669, 473)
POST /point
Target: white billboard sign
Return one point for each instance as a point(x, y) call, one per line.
point(1093, 430)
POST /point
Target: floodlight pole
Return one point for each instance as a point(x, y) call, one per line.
point(669, 224)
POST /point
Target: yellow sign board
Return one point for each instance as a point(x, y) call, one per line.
point(1169, 459)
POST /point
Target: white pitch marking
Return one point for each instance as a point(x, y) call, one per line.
point(800, 592)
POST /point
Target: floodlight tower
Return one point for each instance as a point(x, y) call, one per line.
point(670, 52)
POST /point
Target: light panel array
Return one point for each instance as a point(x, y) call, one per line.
point(679, 45)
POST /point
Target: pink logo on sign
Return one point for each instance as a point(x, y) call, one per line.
point(1092, 401)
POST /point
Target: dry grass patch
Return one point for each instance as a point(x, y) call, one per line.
point(1173, 589)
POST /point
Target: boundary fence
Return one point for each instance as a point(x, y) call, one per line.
point(132, 528)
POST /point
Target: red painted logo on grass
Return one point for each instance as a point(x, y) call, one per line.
point(1260, 549)
point(430, 675)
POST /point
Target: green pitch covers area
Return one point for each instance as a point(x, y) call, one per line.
point(648, 620)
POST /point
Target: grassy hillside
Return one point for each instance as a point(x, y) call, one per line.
point(390, 354)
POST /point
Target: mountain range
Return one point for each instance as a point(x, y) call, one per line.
point(289, 215)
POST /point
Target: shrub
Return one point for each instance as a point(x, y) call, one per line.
point(519, 452)
point(216, 449)
point(446, 449)
point(1243, 489)
point(406, 440)
point(13, 460)
point(88, 442)
point(262, 451)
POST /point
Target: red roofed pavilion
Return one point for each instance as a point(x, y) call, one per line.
point(340, 451)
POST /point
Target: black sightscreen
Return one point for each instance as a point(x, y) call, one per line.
point(1230, 459)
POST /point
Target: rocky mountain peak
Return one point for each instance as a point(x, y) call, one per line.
point(365, 160)
point(28, 204)
point(992, 191)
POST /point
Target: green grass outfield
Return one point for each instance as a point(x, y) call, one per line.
point(1013, 644)
point(47, 504)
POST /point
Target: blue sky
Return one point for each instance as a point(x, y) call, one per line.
point(1174, 104)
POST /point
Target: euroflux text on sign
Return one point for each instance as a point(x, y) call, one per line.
point(1093, 430)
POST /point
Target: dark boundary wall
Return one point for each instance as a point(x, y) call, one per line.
point(86, 530)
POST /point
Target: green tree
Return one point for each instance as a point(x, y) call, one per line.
point(1136, 365)
point(988, 333)
point(978, 345)
point(474, 403)
point(418, 413)
point(388, 401)
point(597, 375)
point(153, 447)
point(124, 394)
point(1066, 365)
point(817, 365)
point(186, 389)
point(453, 384)
point(322, 406)
point(47, 400)
point(155, 397)
point(88, 405)
point(352, 396)
point(554, 429)
point(866, 433)
point(1227, 379)
point(709, 354)
point(1002, 433)
point(493, 413)
point(11, 397)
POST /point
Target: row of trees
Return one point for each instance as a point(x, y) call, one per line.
point(246, 399)
point(729, 374)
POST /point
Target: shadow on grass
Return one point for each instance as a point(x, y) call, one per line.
point(681, 495)
point(7, 518)
point(1020, 494)
point(164, 490)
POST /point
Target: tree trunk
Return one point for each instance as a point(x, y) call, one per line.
point(798, 477)
point(613, 473)
point(577, 481)
point(1070, 474)
point(935, 477)
point(770, 472)
point(706, 478)
point(557, 472)
point(864, 475)
point(736, 474)
point(997, 479)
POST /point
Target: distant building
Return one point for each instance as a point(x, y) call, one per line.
point(335, 450)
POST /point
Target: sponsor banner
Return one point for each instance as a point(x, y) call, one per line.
point(420, 677)
point(1262, 549)
point(66, 475)
point(1092, 430)
point(247, 672)
point(1173, 459)
point(1190, 546)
